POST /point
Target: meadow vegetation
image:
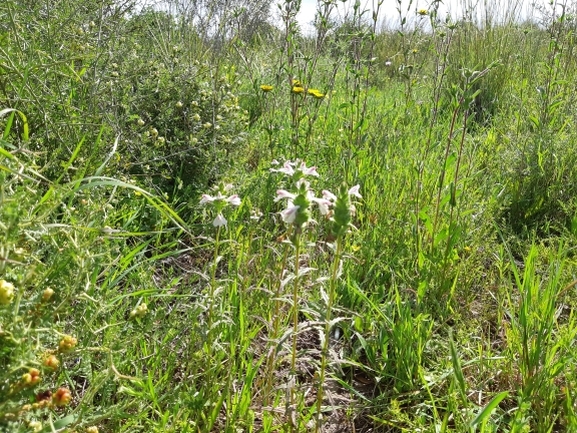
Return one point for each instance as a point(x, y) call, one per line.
point(214, 221)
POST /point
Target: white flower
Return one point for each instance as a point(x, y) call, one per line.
point(323, 204)
point(289, 214)
point(354, 191)
point(209, 198)
point(287, 169)
point(283, 193)
point(234, 200)
point(219, 221)
point(308, 171)
point(302, 183)
point(327, 195)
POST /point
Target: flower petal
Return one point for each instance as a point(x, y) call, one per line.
point(355, 191)
point(287, 169)
point(323, 205)
point(308, 171)
point(234, 200)
point(219, 221)
point(207, 199)
point(327, 195)
point(283, 193)
point(289, 214)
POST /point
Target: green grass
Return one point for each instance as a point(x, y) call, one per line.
point(439, 301)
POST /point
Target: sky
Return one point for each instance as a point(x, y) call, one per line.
point(388, 10)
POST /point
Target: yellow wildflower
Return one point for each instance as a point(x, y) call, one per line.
point(266, 88)
point(423, 12)
point(298, 89)
point(316, 93)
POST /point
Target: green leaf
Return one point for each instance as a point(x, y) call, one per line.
point(25, 131)
point(60, 424)
point(486, 412)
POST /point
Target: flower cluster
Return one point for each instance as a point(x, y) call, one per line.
point(139, 311)
point(301, 197)
point(220, 201)
point(342, 208)
point(297, 87)
point(339, 209)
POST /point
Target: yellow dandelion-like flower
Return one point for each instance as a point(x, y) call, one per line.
point(297, 83)
point(423, 12)
point(316, 93)
point(266, 88)
point(415, 51)
point(298, 89)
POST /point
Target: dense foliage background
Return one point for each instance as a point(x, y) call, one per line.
point(212, 221)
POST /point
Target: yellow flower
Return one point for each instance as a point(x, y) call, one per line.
point(423, 12)
point(316, 93)
point(297, 83)
point(266, 88)
point(298, 89)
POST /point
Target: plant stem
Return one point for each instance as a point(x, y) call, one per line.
point(295, 315)
point(326, 341)
point(213, 282)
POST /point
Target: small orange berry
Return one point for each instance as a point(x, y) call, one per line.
point(27, 378)
point(34, 376)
